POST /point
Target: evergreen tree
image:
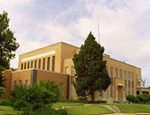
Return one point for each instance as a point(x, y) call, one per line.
point(90, 69)
point(7, 45)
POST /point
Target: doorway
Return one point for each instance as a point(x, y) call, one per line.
point(120, 93)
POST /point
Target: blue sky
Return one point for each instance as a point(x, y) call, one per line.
point(124, 26)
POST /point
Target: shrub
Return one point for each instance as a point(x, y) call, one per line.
point(4, 102)
point(32, 98)
point(130, 98)
point(143, 98)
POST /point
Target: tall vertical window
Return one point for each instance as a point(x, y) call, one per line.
point(106, 93)
point(72, 90)
point(116, 72)
point(66, 70)
point(101, 93)
point(39, 63)
point(120, 73)
point(125, 78)
point(48, 63)
point(128, 83)
point(20, 82)
point(15, 84)
point(24, 65)
point(72, 86)
point(43, 63)
point(21, 66)
point(31, 64)
point(53, 63)
point(35, 64)
point(132, 83)
point(111, 76)
point(72, 70)
point(62, 89)
point(111, 71)
point(28, 65)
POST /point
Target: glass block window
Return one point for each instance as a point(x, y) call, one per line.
point(116, 72)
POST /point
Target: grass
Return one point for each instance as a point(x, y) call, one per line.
point(8, 110)
point(88, 110)
point(132, 108)
point(57, 105)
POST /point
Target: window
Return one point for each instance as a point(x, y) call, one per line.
point(111, 71)
point(106, 93)
point(48, 63)
point(28, 64)
point(43, 63)
point(116, 72)
point(125, 75)
point(132, 76)
point(22, 66)
point(20, 82)
point(66, 70)
point(72, 90)
point(62, 89)
point(72, 70)
point(39, 63)
point(53, 63)
point(128, 75)
point(120, 73)
point(15, 84)
point(26, 83)
point(31, 64)
point(101, 93)
point(35, 64)
point(128, 83)
point(111, 87)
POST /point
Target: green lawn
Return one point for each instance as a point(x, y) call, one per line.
point(87, 110)
point(133, 108)
point(57, 105)
point(7, 110)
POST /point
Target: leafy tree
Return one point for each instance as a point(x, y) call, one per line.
point(148, 87)
point(19, 97)
point(51, 93)
point(2, 91)
point(39, 96)
point(8, 46)
point(90, 69)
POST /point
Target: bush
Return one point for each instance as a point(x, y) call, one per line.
point(130, 98)
point(37, 97)
point(143, 98)
point(4, 102)
point(46, 112)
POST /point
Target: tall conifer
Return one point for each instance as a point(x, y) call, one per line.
point(90, 69)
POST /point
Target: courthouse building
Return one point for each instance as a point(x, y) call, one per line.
point(54, 63)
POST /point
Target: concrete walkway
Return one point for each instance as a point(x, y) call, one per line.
point(113, 108)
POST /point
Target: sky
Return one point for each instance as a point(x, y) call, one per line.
point(124, 26)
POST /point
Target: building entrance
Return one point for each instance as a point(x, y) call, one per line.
point(120, 93)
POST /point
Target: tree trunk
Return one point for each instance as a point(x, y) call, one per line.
point(93, 96)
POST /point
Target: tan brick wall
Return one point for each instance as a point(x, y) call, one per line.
point(8, 77)
point(53, 76)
